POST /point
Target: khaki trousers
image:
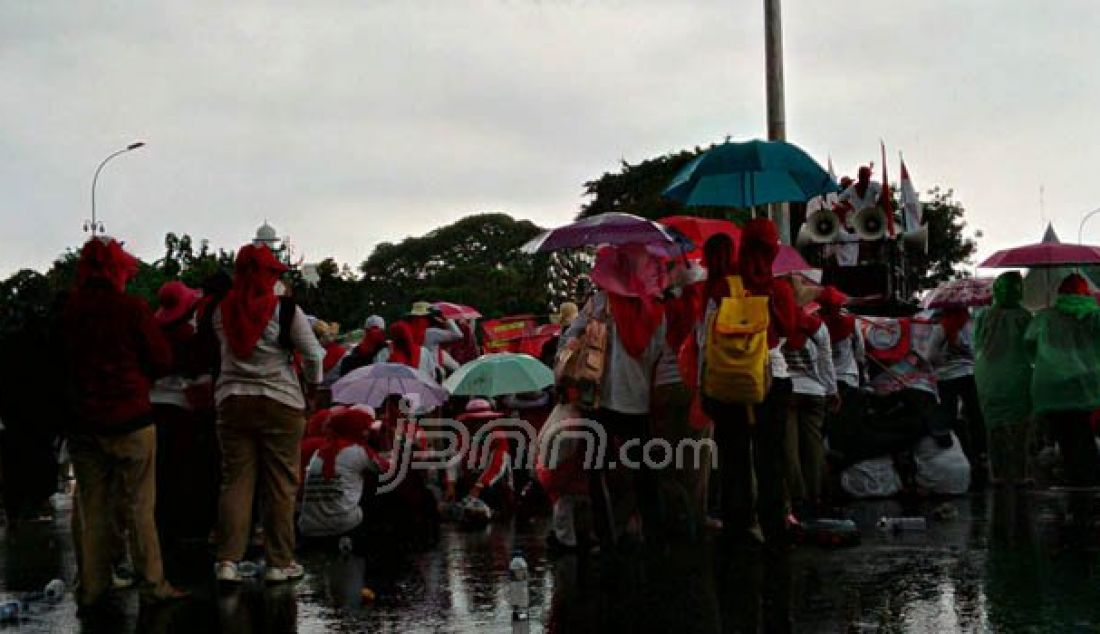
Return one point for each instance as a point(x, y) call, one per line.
point(259, 438)
point(115, 481)
point(805, 448)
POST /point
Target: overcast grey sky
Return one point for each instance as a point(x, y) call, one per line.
point(347, 123)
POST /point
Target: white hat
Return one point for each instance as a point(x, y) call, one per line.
point(374, 321)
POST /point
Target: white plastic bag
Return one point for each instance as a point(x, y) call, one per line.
point(943, 471)
point(874, 478)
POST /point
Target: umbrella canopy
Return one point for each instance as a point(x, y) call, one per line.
point(372, 384)
point(1043, 254)
point(609, 228)
point(789, 260)
point(451, 310)
point(961, 293)
point(499, 374)
point(749, 174)
point(698, 230)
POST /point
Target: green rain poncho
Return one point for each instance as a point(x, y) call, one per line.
point(1064, 343)
point(1002, 368)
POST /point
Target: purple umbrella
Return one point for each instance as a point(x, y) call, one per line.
point(372, 384)
point(608, 228)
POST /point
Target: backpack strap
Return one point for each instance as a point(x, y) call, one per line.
point(288, 309)
point(737, 287)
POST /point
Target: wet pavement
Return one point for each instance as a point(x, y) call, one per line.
point(1006, 563)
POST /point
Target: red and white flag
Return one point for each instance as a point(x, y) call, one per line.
point(887, 200)
point(910, 203)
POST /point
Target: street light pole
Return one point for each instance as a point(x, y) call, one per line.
point(1081, 227)
point(94, 224)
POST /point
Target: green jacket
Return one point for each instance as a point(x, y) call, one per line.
point(1065, 349)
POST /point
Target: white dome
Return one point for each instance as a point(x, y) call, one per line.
point(266, 234)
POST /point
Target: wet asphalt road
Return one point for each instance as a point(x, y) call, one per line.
point(1007, 563)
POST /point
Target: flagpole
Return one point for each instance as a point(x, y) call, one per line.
point(904, 211)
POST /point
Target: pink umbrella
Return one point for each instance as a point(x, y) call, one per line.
point(1043, 254)
point(789, 260)
point(961, 293)
point(451, 310)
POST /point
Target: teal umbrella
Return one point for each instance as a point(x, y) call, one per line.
point(499, 374)
point(749, 174)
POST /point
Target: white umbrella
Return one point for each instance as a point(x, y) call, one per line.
point(372, 384)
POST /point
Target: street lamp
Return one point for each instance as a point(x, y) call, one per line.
point(1081, 227)
point(94, 225)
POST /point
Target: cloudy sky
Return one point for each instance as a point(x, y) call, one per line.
point(346, 123)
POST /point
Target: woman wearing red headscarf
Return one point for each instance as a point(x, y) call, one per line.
point(747, 448)
point(953, 358)
point(113, 350)
point(814, 392)
point(630, 283)
point(341, 476)
point(260, 412)
point(1063, 341)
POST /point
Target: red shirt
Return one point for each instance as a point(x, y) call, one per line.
point(114, 350)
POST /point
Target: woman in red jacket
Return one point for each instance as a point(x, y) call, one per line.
point(748, 448)
point(113, 350)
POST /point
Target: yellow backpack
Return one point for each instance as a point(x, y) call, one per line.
point(735, 361)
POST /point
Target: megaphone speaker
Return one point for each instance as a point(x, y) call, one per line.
point(870, 223)
point(916, 240)
point(822, 225)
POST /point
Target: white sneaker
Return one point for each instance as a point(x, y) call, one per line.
point(226, 572)
point(293, 572)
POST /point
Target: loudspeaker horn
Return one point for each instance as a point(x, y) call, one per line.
point(870, 223)
point(916, 240)
point(822, 226)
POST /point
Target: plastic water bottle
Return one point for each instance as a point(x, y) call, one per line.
point(345, 545)
point(517, 586)
point(898, 524)
point(55, 591)
point(830, 532)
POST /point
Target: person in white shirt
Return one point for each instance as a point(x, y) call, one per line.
point(340, 478)
point(862, 194)
point(848, 347)
point(261, 412)
point(814, 390)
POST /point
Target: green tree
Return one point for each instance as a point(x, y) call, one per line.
point(474, 261)
point(638, 189)
point(948, 249)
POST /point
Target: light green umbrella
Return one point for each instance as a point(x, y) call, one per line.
point(499, 374)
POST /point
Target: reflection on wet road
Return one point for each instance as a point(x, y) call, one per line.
point(1007, 563)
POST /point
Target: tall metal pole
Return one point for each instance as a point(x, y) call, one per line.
point(95, 225)
point(777, 117)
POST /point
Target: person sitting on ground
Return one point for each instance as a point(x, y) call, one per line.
point(341, 477)
point(484, 471)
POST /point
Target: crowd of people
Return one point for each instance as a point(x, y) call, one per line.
point(208, 422)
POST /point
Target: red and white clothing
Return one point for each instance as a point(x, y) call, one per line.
point(331, 506)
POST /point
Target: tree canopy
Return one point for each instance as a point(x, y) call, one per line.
point(474, 261)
